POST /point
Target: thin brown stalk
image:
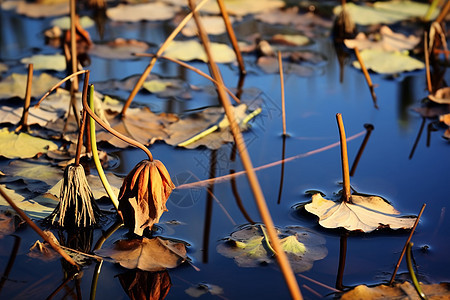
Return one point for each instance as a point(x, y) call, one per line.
point(443, 13)
point(312, 291)
point(367, 76)
point(346, 192)
point(58, 85)
point(319, 283)
point(406, 245)
point(232, 36)
point(369, 128)
point(83, 122)
point(246, 161)
point(73, 43)
point(283, 105)
point(427, 62)
point(23, 124)
point(38, 230)
point(114, 132)
point(188, 66)
point(155, 58)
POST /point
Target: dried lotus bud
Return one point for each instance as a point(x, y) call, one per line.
point(143, 195)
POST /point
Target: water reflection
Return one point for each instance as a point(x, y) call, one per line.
point(142, 285)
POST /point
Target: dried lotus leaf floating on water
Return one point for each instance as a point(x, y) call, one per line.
point(250, 247)
point(155, 254)
point(362, 213)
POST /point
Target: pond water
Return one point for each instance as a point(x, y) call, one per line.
point(389, 167)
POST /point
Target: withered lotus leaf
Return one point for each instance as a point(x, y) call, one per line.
point(155, 254)
point(143, 195)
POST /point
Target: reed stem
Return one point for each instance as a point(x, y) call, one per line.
point(246, 161)
point(38, 230)
point(23, 124)
point(283, 104)
point(406, 245)
point(346, 192)
point(427, 62)
point(232, 36)
point(366, 76)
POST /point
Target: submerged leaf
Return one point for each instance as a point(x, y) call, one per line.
point(22, 145)
point(364, 213)
point(249, 247)
point(155, 254)
point(204, 288)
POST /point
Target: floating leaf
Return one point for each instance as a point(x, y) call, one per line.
point(383, 12)
point(362, 213)
point(39, 207)
point(3, 67)
point(403, 290)
point(214, 25)
point(441, 96)
point(155, 254)
point(155, 11)
point(22, 145)
point(249, 247)
point(64, 22)
point(15, 85)
point(391, 62)
point(193, 50)
point(42, 9)
point(13, 115)
point(119, 49)
point(309, 23)
point(141, 124)
point(244, 7)
point(386, 40)
point(56, 62)
point(196, 123)
point(290, 39)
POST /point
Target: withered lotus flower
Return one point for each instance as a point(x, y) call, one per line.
point(143, 195)
point(77, 207)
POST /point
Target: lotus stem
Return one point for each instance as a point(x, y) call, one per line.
point(427, 62)
point(155, 58)
point(366, 76)
point(430, 10)
point(232, 36)
point(115, 133)
point(412, 274)
point(283, 104)
point(443, 12)
point(95, 157)
point(39, 231)
point(406, 244)
point(23, 124)
point(73, 43)
point(246, 161)
point(346, 192)
point(58, 85)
